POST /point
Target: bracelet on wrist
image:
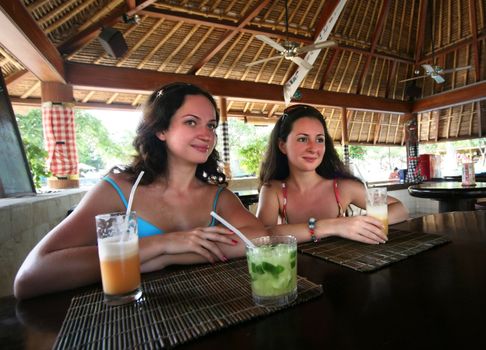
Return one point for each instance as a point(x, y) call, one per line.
point(311, 224)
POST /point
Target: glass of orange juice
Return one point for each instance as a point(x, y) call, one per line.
point(119, 257)
point(377, 207)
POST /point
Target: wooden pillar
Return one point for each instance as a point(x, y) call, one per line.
point(60, 134)
point(226, 148)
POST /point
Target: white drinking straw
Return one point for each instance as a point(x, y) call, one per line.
point(232, 228)
point(129, 207)
point(132, 194)
point(364, 182)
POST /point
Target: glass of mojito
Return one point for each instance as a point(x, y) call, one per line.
point(273, 270)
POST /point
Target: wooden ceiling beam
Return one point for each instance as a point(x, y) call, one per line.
point(12, 78)
point(139, 7)
point(376, 54)
point(228, 25)
point(221, 24)
point(37, 102)
point(436, 120)
point(131, 4)
point(458, 45)
point(23, 38)
point(460, 96)
point(344, 127)
point(330, 65)
point(228, 35)
point(378, 124)
point(324, 17)
point(82, 38)
point(474, 32)
point(385, 8)
point(326, 12)
point(88, 76)
point(392, 72)
point(419, 47)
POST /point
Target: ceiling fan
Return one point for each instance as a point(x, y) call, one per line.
point(288, 49)
point(430, 70)
point(436, 72)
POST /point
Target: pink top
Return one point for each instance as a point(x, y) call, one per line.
point(283, 212)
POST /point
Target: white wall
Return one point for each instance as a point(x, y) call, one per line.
point(416, 206)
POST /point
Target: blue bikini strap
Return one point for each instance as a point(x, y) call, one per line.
point(118, 189)
point(215, 203)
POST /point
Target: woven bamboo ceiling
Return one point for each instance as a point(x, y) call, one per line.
point(356, 84)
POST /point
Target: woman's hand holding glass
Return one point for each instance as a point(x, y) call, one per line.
point(364, 229)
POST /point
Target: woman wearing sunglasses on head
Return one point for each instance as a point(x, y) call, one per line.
point(305, 189)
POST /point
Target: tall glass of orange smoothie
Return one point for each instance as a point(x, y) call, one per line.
point(119, 257)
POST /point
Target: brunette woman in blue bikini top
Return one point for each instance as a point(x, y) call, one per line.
point(145, 228)
point(305, 189)
point(182, 183)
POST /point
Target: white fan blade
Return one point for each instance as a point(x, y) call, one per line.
point(438, 78)
point(428, 68)
point(270, 42)
point(315, 46)
point(421, 76)
point(301, 62)
point(456, 69)
point(262, 60)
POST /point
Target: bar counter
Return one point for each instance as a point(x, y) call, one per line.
point(435, 300)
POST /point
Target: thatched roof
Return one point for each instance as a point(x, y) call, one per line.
point(209, 43)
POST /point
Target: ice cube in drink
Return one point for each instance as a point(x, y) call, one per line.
point(272, 265)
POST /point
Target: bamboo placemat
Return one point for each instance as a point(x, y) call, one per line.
point(369, 257)
point(177, 307)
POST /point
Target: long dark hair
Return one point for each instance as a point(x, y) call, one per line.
point(151, 155)
point(275, 165)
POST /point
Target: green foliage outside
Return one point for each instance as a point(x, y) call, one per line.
point(95, 146)
point(30, 127)
point(355, 152)
point(36, 157)
point(94, 143)
point(248, 144)
point(252, 155)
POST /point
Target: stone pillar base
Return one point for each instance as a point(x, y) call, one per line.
point(57, 184)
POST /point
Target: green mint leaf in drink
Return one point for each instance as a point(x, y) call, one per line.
point(292, 263)
point(257, 268)
point(275, 270)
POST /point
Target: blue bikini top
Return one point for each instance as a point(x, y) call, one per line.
point(145, 228)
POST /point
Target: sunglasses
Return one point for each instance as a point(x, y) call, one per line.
point(289, 110)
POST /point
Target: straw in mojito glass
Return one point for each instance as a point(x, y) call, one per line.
point(130, 201)
point(232, 228)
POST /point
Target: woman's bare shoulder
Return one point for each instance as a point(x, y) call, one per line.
point(272, 185)
point(121, 179)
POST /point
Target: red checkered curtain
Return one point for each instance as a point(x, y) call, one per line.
point(60, 138)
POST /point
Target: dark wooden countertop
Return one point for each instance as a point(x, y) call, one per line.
point(432, 300)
